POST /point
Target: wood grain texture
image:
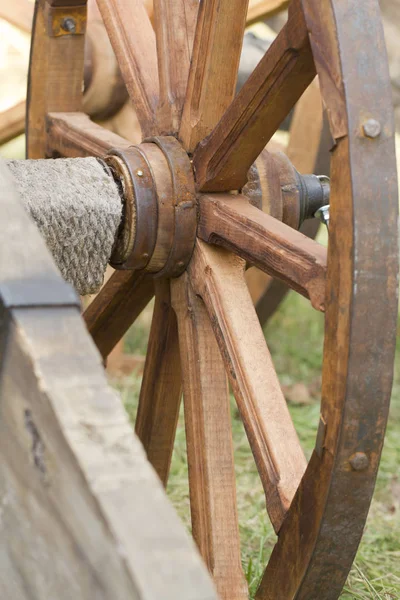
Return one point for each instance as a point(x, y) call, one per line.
point(265, 242)
point(175, 23)
point(209, 444)
point(83, 513)
point(160, 394)
point(116, 307)
point(12, 122)
point(222, 161)
point(55, 78)
point(323, 528)
point(74, 134)
point(132, 37)
point(259, 10)
point(213, 72)
point(218, 277)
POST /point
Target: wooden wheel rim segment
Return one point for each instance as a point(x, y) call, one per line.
point(319, 525)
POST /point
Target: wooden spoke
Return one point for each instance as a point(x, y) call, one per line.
point(218, 277)
point(12, 122)
point(265, 242)
point(74, 134)
point(264, 9)
point(132, 37)
point(175, 24)
point(213, 71)
point(209, 444)
point(116, 307)
point(224, 158)
point(307, 124)
point(160, 393)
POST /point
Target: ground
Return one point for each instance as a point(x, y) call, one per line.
point(295, 337)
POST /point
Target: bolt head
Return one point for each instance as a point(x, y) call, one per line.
point(139, 173)
point(372, 128)
point(359, 461)
point(68, 24)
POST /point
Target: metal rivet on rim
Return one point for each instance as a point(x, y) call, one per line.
point(139, 173)
point(359, 461)
point(68, 24)
point(372, 128)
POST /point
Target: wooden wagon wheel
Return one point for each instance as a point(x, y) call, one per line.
point(204, 323)
point(104, 97)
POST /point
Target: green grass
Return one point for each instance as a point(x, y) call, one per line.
point(295, 337)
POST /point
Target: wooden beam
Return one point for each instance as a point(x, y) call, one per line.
point(209, 444)
point(74, 134)
point(222, 161)
point(160, 394)
point(132, 37)
point(232, 222)
point(214, 67)
point(116, 307)
point(218, 277)
point(175, 23)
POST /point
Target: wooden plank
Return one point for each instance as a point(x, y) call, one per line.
point(83, 497)
point(74, 134)
point(265, 242)
point(132, 37)
point(260, 10)
point(280, 78)
point(174, 23)
point(55, 76)
point(213, 72)
point(218, 277)
point(209, 444)
point(12, 122)
point(116, 307)
point(160, 394)
point(83, 513)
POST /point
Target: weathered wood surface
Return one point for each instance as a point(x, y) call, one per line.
point(323, 528)
point(83, 512)
point(222, 161)
point(212, 78)
point(116, 307)
point(232, 222)
point(209, 444)
point(74, 134)
point(132, 37)
point(55, 76)
point(175, 23)
point(218, 277)
point(160, 393)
